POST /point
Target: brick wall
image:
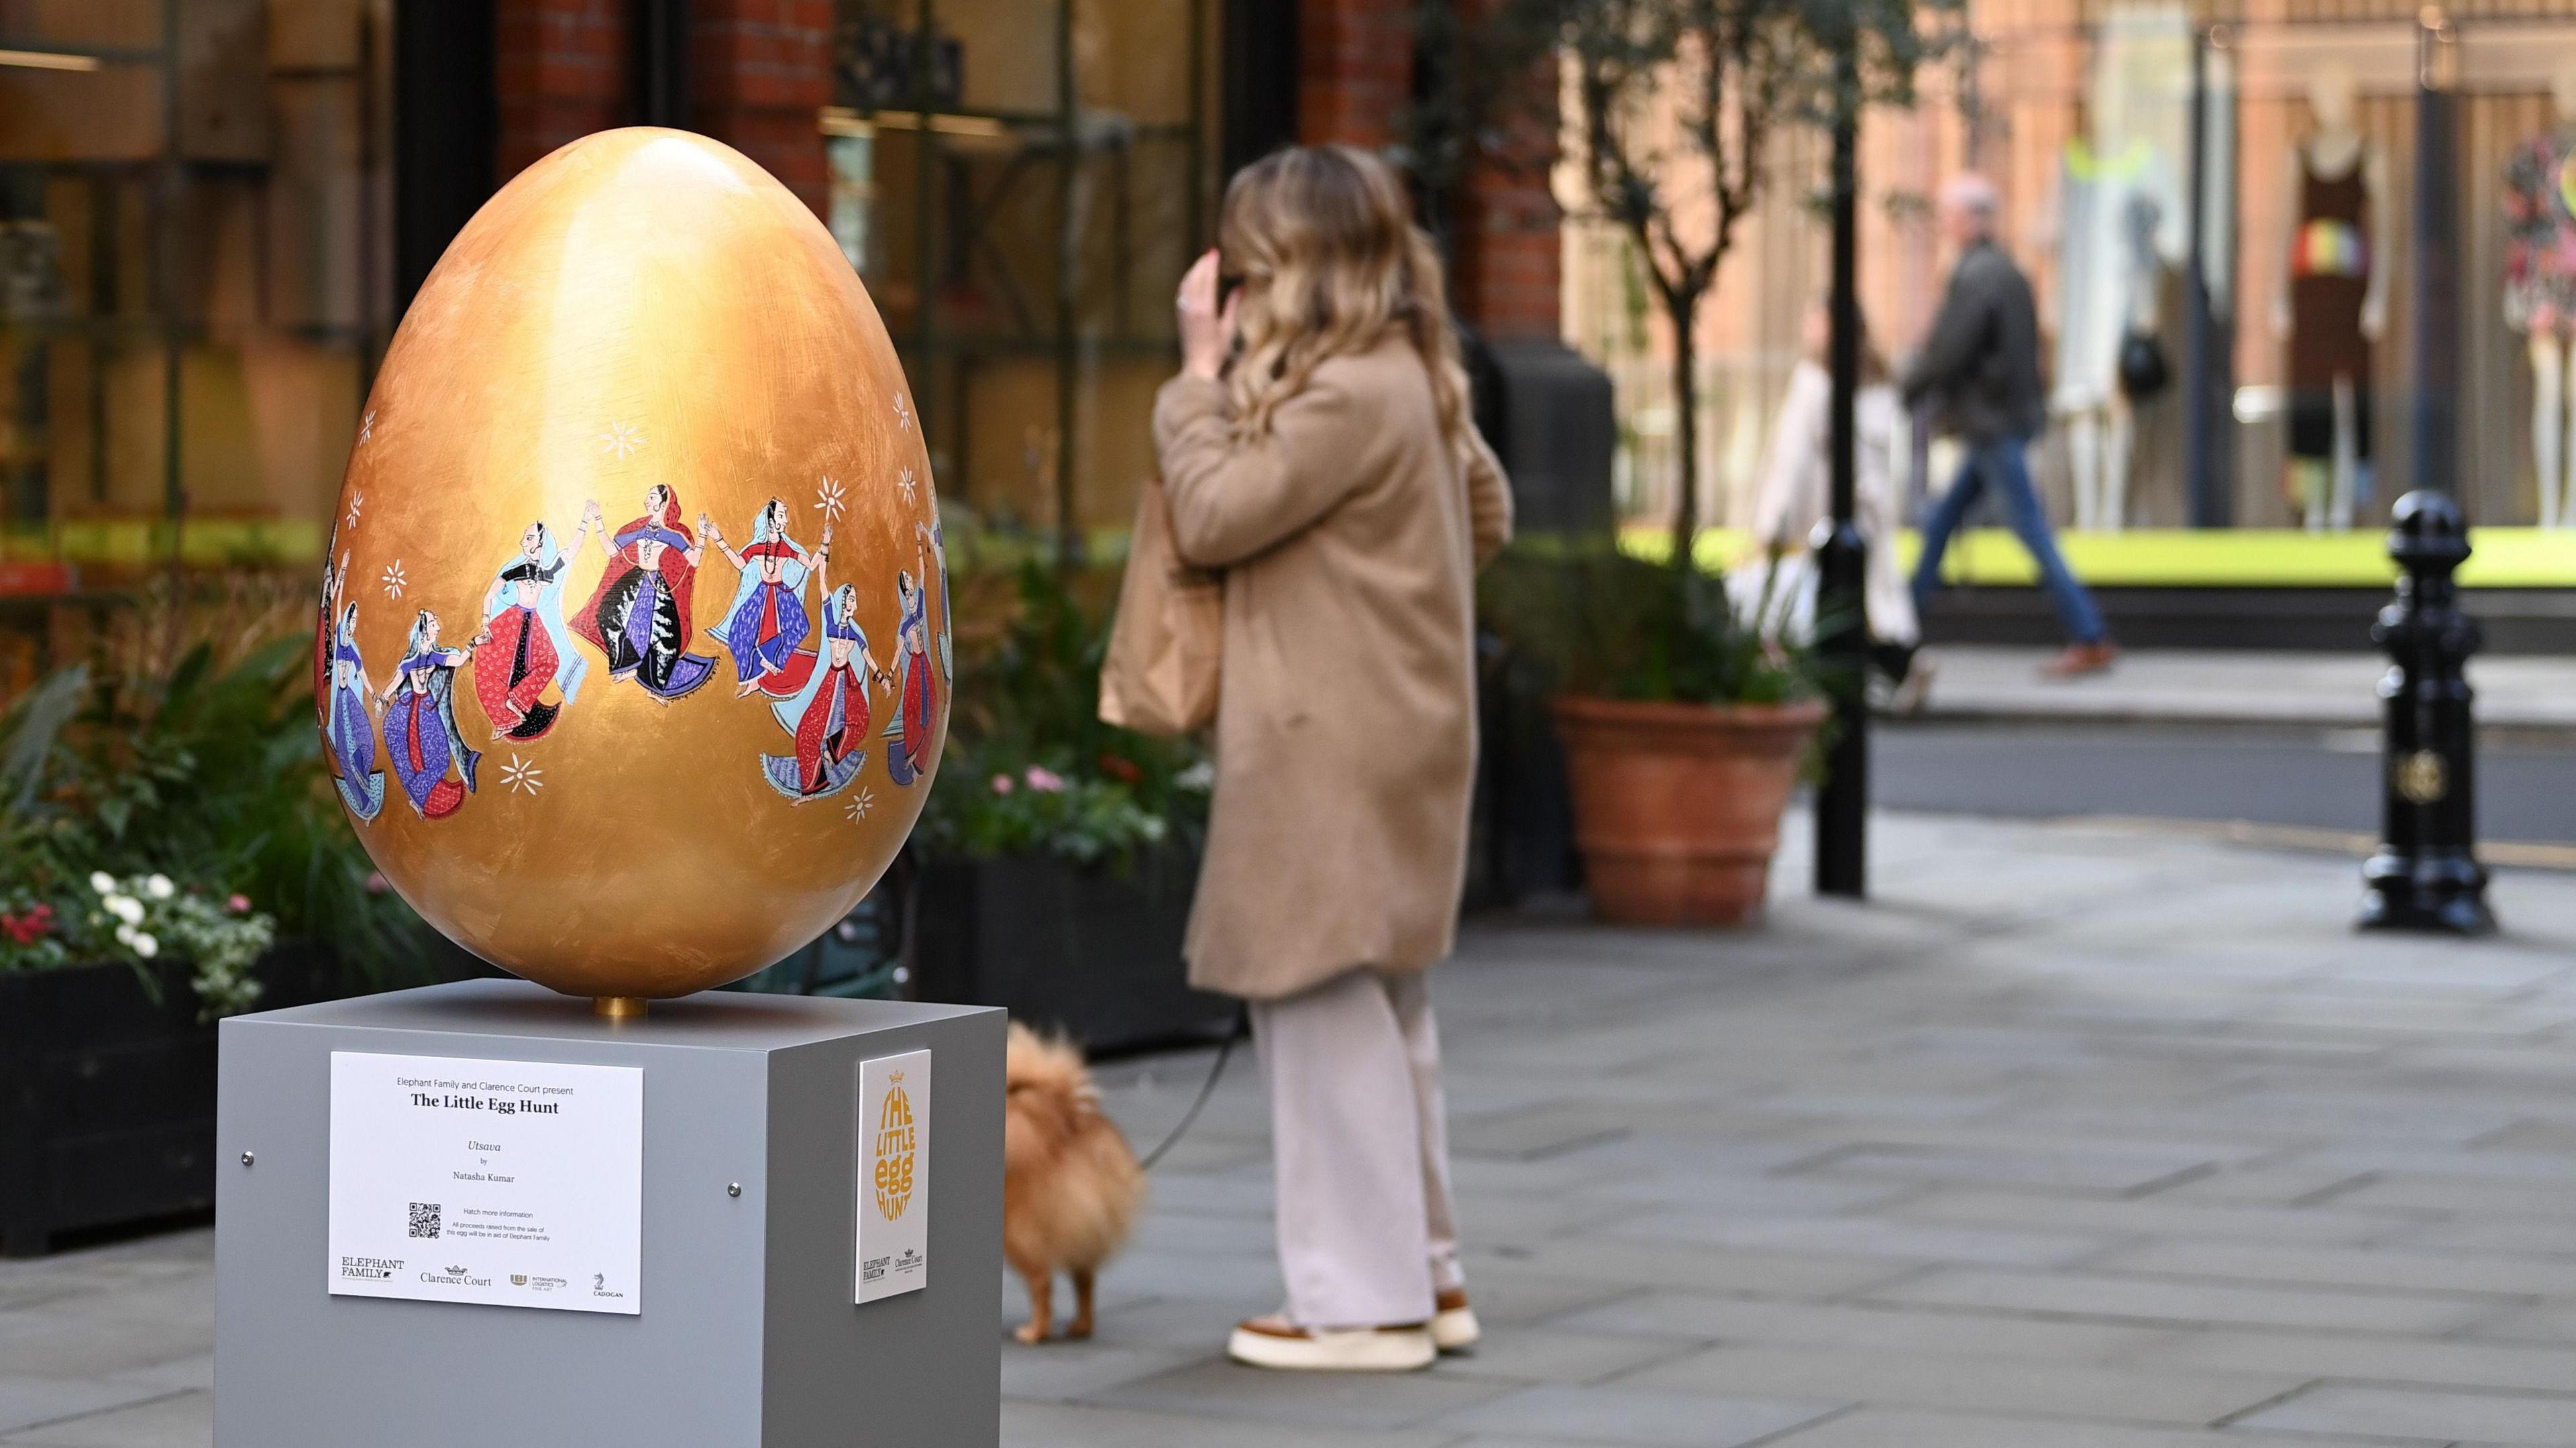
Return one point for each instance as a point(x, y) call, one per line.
point(560, 67)
point(759, 70)
point(1355, 79)
point(1354, 70)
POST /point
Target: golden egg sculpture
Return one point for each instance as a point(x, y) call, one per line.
point(633, 657)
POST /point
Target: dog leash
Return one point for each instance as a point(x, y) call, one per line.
point(1242, 1027)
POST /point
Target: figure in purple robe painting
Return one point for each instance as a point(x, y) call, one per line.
point(351, 730)
point(421, 741)
point(766, 621)
point(908, 733)
point(639, 615)
point(828, 716)
point(524, 645)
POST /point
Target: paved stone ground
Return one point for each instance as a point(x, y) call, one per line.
point(2516, 692)
point(2078, 1138)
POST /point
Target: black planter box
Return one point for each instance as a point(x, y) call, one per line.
point(1092, 950)
point(107, 1094)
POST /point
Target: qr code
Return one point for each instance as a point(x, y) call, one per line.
point(424, 1219)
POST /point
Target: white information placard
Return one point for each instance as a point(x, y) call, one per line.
point(519, 1183)
point(894, 1175)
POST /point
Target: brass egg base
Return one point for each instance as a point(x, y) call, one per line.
point(619, 1008)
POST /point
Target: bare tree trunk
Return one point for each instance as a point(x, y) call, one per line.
point(1682, 309)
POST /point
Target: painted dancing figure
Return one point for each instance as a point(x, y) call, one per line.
point(908, 732)
point(421, 739)
point(524, 645)
point(639, 615)
point(349, 727)
point(828, 716)
point(939, 559)
point(332, 579)
point(766, 620)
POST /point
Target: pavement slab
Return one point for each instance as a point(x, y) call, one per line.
point(2075, 1136)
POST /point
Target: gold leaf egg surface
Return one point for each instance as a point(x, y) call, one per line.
point(633, 659)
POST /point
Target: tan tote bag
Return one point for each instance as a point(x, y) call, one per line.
point(1160, 673)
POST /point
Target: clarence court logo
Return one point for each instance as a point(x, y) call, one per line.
point(896, 1139)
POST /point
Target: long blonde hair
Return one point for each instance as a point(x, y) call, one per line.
point(1330, 259)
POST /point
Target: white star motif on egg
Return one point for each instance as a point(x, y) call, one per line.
point(522, 776)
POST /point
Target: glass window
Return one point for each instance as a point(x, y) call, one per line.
point(191, 279)
point(1022, 183)
point(2275, 141)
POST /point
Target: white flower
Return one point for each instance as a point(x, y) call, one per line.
point(125, 935)
point(159, 887)
point(125, 908)
point(103, 882)
point(1199, 776)
point(145, 946)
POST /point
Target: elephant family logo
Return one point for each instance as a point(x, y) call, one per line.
point(896, 1136)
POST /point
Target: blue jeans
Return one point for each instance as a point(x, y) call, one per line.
point(1999, 465)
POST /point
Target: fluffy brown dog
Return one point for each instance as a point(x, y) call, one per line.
point(1070, 1185)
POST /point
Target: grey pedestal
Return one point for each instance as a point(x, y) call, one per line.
point(748, 1333)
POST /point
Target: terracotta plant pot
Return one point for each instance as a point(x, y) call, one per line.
point(1677, 806)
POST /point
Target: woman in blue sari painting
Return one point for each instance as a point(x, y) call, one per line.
point(766, 620)
point(828, 716)
point(639, 616)
point(908, 732)
point(524, 645)
point(352, 731)
point(421, 740)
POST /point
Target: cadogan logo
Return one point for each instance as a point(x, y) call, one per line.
point(371, 1269)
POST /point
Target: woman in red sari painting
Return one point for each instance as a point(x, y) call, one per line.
point(908, 734)
point(524, 645)
point(639, 615)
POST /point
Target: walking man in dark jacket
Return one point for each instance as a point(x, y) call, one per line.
point(1980, 366)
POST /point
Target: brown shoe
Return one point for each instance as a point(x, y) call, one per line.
point(2077, 660)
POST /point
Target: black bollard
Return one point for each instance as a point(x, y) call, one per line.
point(2426, 875)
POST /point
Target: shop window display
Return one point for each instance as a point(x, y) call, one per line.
point(2540, 288)
point(2331, 305)
point(2293, 209)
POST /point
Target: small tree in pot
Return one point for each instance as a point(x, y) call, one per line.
point(1671, 110)
point(1683, 728)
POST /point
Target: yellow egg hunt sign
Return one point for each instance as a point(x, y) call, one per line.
point(893, 1121)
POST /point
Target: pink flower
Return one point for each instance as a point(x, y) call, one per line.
point(1044, 781)
point(239, 904)
point(376, 884)
point(1002, 784)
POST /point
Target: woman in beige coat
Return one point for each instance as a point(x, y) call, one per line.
point(1317, 448)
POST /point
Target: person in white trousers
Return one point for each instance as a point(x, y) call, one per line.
point(1317, 449)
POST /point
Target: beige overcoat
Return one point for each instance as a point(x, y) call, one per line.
point(1346, 725)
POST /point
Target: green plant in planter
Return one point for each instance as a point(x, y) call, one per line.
point(208, 775)
point(1590, 620)
point(1029, 765)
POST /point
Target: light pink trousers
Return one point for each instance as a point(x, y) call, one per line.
point(1367, 1232)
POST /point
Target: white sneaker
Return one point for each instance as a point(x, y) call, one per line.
point(1272, 1342)
point(1454, 1328)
